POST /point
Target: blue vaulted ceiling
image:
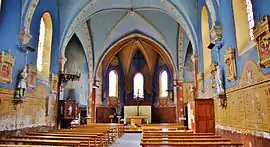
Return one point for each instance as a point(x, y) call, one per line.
point(109, 20)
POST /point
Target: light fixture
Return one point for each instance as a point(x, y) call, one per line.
point(211, 45)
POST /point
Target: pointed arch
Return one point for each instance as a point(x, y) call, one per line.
point(113, 84)
point(163, 84)
point(205, 39)
point(44, 45)
point(138, 86)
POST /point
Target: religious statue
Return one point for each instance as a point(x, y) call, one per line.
point(70, 110)
point(219, 81)
point(20, 92)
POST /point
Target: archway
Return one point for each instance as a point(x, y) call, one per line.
point(130, 56)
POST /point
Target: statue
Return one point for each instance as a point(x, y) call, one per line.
point(20, 92)
point(219, 80)
point(70, 110)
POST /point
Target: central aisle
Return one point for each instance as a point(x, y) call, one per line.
point(128, 140)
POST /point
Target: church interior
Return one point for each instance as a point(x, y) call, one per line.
point(135, 73)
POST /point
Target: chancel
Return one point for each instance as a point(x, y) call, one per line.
point(135, 73)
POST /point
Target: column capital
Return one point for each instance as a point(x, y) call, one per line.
point(194, 57)
point(24, 37)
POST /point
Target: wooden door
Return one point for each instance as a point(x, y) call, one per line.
point(204, 116)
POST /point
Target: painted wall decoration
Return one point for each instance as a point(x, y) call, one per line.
point(262, 37)
point(213, 70)
point(187, 91)
point(200, 82)
point(229, 59)
point(6, 66)
point(31, 113)
point(248, 108)
point(54, 82)
point(31, 76)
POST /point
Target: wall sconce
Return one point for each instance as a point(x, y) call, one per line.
point(211, 45)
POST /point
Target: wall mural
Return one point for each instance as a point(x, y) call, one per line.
point(248, 106)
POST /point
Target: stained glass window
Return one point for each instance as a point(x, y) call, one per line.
point(250, 18)
point(41, 45)
point(113, 84)
point(138, 85)
point(163, 84)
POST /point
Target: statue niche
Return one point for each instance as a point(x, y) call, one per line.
point(262, 38)
point(6, 66)
point(229, 59)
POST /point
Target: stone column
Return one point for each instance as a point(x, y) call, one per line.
point(179, 103)
point(61, 60)
point(93, 106)
point(195, 73)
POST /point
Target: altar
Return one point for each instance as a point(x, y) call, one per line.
point(137, 120)
point(137, 115)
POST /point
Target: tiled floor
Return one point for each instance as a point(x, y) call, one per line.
point(128, 140)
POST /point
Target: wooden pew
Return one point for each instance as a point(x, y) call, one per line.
point(84, 140)
point(91, 136)
point(172, 133)
point(188, 136)
point(42, 142)
point(185, 140)
point(103, 135)
point(16, 145)
point(193, 144)
point(169, 126)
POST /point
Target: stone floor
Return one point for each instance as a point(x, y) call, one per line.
point(128, 140)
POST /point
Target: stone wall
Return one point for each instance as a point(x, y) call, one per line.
point(39, 109)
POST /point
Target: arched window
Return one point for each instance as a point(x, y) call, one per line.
point(244, 23)
point(44, 45)
point(113, 84)
point(163, 84)
point(205, 39)
point(138, 85)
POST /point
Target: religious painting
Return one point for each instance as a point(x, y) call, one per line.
point(229, 59)
point(262, 38)
point(200, 82)
point(6, 66)
point(31, 76)
point(53, 82)
point(213, 70)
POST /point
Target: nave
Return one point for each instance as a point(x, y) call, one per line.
point(113, 135)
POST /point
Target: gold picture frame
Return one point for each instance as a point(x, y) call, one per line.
point(262, 39)
point(229, 59)
point(6, 67)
